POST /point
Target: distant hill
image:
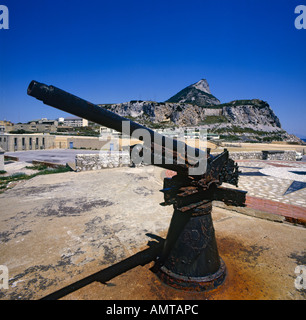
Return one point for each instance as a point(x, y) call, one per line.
point(197, 93)
point(245, 120)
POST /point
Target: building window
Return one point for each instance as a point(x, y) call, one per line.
point(15, 142)
point(30, 141)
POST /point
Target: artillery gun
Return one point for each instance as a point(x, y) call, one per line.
point(189, 259)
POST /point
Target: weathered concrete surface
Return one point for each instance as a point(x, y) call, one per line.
point(13, 167)
point(58, 229)
point(260, 257)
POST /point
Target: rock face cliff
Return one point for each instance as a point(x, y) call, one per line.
point(255, 114)
point(196, 106)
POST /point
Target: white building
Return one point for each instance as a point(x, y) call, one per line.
point(75, 122)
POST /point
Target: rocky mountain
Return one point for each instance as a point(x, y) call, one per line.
point(197, 93)
point(195, 106)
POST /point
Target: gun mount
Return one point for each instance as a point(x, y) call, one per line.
point(190, 258)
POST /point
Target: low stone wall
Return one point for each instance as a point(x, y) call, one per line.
point(264, 155)
point(279, 155)
point(246, 155)
point(103, 160)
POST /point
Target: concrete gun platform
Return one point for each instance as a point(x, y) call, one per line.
point(57, 230)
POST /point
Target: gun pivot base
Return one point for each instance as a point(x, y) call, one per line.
point(199, 284)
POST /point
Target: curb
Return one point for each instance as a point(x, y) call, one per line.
point(262, 214)
point(49, 164)
point(251, 212)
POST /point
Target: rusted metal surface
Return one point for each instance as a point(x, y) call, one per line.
point(207, 283)
point(190, 259)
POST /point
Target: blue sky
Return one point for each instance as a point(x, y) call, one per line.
point(116, 51)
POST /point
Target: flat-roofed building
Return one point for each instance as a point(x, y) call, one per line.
point(39, 125)
point(75, 122)
point(23, 142)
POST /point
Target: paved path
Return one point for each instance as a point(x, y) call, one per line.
point(281, 181)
